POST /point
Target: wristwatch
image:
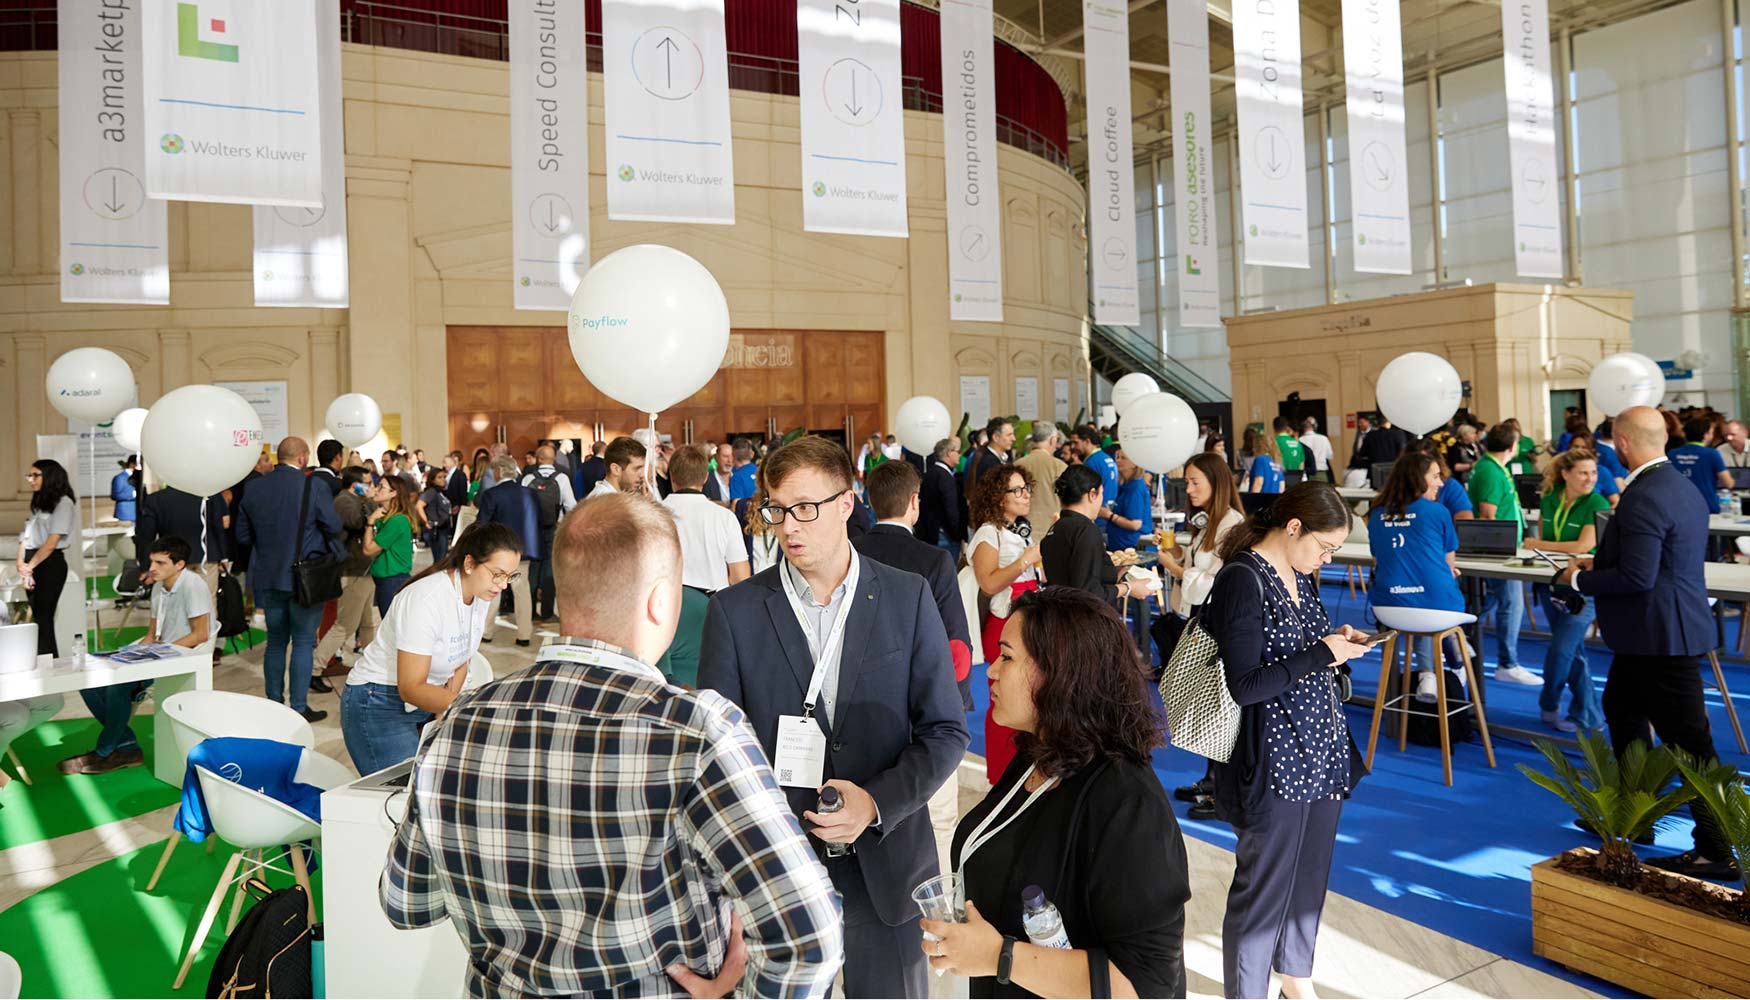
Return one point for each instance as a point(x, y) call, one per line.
point(1006, 960)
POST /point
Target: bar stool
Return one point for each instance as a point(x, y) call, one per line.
point(1412, 624)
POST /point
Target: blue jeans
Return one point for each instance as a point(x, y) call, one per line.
point(379, 731)
point(112, 707)
point(387, 588)
point(1565, 665)
point(1507, 599)
point(948, 545)
point(288, 622)
point(1423, 648)
point(439, 541)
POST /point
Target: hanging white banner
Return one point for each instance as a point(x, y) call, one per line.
point(1193, 174)
point(1531, 140)
point(300, 253)
point(1111, 163)
point(232, 111)
point(665, 107)
point(969, 159)
point(112, 235)
point(853, 122)
point(1379, 191)
point(549, 151)
point(1272, 141)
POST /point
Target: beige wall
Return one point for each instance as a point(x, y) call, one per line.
point(428, 196)
point(1515, 343)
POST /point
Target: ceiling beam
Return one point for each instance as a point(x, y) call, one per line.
point(1222, 12)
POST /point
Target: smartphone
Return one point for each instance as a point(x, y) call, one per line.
point(1378, 637)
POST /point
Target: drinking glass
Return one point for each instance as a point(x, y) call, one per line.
point(942, 898)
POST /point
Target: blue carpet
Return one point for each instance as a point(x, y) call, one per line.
point(1457, 860)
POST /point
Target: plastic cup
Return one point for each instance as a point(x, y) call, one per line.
point(942, 898)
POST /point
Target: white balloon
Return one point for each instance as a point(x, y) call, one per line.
point(1131, 388)
point(1159, 432)
point(90, 384)
point(920, 423)
point(354, 418)
point(126, 428)
point(1624, 380)
point(1419, 391)
point(649, 326)
point(201, 439)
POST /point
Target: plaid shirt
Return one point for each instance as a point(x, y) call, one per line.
point(584, 826)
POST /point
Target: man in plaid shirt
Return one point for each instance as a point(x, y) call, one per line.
point(591, 830)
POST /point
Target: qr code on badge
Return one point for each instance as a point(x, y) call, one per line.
point(784, 775)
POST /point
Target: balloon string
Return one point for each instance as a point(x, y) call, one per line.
point(650, 462)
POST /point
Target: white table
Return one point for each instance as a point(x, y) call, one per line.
point(190, 671)
point(1356, 492)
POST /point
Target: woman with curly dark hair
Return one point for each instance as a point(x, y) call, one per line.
point(1078, 819)
point(1004, 560)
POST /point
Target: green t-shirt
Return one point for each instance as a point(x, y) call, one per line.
point(1490, 483)
point(1293, 455)
point(1565, 526)
point(395, 537)
point(1522, 462)
point(681, 663)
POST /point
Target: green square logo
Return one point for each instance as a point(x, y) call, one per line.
point(188, 36)
point(525, 281)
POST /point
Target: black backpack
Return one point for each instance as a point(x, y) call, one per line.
point(232, 614)
point(1425, 729)
point(269, 954)
point(547, 499)
point(438, 510)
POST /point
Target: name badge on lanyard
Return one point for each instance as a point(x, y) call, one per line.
point(799, 756)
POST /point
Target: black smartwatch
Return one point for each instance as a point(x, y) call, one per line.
point(1006, 960)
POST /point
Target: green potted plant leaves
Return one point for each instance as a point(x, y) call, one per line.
point(1619, 799)
point(1719, 787)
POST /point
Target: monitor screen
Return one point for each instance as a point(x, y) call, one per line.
point(1530, 489)
point(1487, 538)
point(1173, 494)
point(1740, 478)
point(1377, 475)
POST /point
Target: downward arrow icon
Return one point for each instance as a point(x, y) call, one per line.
point(114, 204)
point(855, 107)
point(1275, 161)
point(552, 221)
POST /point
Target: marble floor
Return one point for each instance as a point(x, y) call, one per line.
point(1363, 951)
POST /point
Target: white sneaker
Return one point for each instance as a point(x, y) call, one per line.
point(1426, 689)
point(1517, 675)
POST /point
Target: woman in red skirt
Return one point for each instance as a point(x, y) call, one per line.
point(1007, 567)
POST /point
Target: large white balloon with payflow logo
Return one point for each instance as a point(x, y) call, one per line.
point(126, 428)
point(1159, 432)
point(90, 384)
point(1624, 380)
point(1419, 391)
point(1131, 388)
point(201, 439)
point(920, 423)
point(649, 326)
point(354, 419)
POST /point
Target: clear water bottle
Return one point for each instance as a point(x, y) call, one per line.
point(78, 657)
point(1044, 924)
point(831, 802)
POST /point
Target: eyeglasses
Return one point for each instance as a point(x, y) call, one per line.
point(505, 579)
point(803, 512)
point(33, 474)
point(1020, 491)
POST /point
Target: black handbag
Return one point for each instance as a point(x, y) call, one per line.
point(316, 580)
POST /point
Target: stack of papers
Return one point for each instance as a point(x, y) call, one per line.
point(145, 651)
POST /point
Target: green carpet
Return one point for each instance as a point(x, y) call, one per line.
point(57, 804)
point(98, 934)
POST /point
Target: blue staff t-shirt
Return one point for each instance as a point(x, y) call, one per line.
point(1454, 498)
point(1102, 463)
point(1409, 554)
point(1133, 502)
point(744, 482)
point(1703, 466)
point(1269, 470)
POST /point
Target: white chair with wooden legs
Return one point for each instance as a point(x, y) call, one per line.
point(1412, 624)
point(266, 832)
point(198, 715)
point(18, 765)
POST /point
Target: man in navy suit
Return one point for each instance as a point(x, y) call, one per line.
point(1653, 610)
point(513, 505)
point(848, 659)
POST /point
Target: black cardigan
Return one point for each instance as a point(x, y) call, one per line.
point(1073, 554)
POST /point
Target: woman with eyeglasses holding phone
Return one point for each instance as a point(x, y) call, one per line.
point(418, 662)
point(1006, 563)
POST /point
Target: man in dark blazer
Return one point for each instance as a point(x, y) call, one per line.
point(717, 483)
point(513, 505)
point(330, 458)
point(593, 470)
point(939, 520)
point(888, 727)
point(455, 481)
point(1652, 608)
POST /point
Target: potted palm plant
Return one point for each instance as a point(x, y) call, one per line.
point(1602, 912)
point(1720, 788)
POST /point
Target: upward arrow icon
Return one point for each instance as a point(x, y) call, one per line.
point(668, 47)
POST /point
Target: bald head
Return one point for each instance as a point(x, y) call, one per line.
point(1640, 435)
point(294, 451)
point(617, 569)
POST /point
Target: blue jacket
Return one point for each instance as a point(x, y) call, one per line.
point(121, 490)
point(1648, 574)
point(901, 730)
point(267, 521)
point(264, 765)
point(513, 505)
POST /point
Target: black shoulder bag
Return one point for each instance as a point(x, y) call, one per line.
point(316, 580)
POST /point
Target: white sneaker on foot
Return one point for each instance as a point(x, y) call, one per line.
point(1517, 675)
point(1425, 686)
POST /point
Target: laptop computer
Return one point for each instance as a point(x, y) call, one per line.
point(1530, 489)
point(17, 648)
point(1173, 494)
point(1740, 478)
point(1377, 474)
point(1253, 503)
point(1488, 539)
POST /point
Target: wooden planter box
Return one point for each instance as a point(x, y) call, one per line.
point(1639, 942)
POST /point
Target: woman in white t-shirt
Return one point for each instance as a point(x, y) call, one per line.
point(1007, 566)
point(419, 661)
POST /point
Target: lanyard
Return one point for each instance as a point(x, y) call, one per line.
point(567, 650)
point(826, 655)
point(982, 833)
point(1560, 521)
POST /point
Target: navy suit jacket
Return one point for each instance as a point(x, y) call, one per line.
point(939, 506)
point(514, 506)
point(900, 730)
point(1648, 573)
point(896, 546)
point(267, 520)
point(715, 490)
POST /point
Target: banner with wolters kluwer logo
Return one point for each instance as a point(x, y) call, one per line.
point(1193, 168)
point(1111, 163)
point(1272, 140)
point(665, 110)
point(231, 107)
point(1531, 140)
point(853, 117)
point(969, 159)
point(112, 235)
point(300, 253)
point(549, 151)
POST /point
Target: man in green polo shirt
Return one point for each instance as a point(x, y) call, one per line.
point(1493, 495)
point(1293, 453)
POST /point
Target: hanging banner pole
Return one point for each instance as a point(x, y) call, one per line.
point(1193, 168)
point(969, 161)
point(1531, 140)
point(549, 152)
point(853, 126)
point(1111, 164)
point(1379, 193)
point(1272, 132)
